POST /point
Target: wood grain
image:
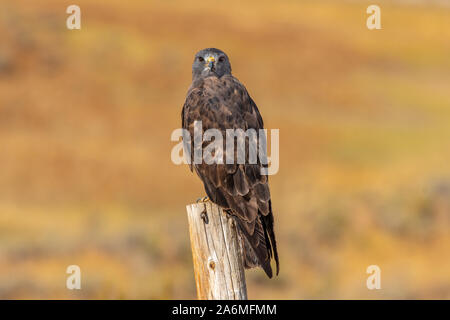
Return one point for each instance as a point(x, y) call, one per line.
point(216, 253)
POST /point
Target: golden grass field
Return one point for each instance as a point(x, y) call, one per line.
point(85, 123)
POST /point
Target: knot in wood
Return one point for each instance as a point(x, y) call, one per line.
point(204, 216)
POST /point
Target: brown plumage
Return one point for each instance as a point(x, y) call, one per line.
point(220, 101)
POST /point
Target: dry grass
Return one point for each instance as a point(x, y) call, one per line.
point(85, 123)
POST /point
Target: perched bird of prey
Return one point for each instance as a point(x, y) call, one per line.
point(221, 102)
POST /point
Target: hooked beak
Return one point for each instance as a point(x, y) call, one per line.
point(210, 62)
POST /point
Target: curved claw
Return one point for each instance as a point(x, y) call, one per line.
point(202, 200)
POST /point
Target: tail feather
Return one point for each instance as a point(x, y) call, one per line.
point(268, 222)
point(258, 248)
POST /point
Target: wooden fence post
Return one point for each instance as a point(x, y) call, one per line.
point(216, 252)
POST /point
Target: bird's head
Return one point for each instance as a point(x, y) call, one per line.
point(210, 62)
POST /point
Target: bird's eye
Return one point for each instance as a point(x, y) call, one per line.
point(221, 59)
point(201, 59)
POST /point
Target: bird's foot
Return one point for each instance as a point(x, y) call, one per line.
point(203, 200)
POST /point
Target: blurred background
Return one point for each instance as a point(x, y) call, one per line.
point(85, 123)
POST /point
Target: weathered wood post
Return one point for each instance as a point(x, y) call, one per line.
point(217, 255)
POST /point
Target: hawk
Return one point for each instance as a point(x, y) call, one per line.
point(221, 102)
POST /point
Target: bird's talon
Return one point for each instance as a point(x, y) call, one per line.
point(202, 200)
